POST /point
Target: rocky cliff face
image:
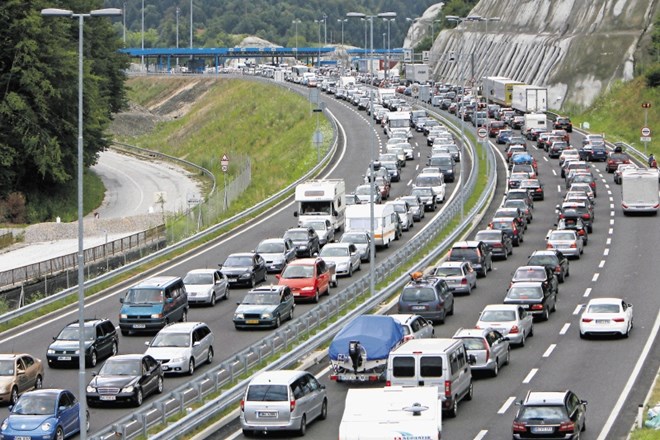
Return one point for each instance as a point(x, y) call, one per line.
point(574, 47)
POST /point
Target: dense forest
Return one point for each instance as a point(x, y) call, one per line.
point(224, 23)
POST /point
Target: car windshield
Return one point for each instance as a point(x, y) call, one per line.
point(354, 238)
point(261, 298)
point(448, 271)
point(463, 253)
point(238, 261)
point(489, 236)
point(144, 296)
point(498, 315)
point(298, 272)
point(297, 235)
point(439, 161)
point(121, 367)
point(35, 404)
point(267, 393)
point(501, 225)
point(529, 274)
point(6, 368)
point(542, 260)
point(334, 252)
point(418, 294)
point(474, 343)
point(169, 339)
point(363, 190)
point(422, 192)
point(541, 412)
point(519, 292)
point(398, 207)
point(270, 248)
point(561, 235)
point(72, 334)
point(603, 308)
point(198, 278)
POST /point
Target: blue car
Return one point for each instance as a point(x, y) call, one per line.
point(43, 414)
point(503, 136)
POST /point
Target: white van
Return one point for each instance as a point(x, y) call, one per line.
point(358, 218)
point(439, 363)
point(387, 413)
point(435, 181)
point(639, 191)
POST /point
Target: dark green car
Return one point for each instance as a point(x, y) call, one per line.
point(265, 306)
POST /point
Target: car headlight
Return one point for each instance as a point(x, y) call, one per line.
point(179, 359)
point(307, 289)
point(246, 275)
point(5, 388)
point(76, 352)
point(5, 424)
point(123, 316)
point(91, 389)
point(342, 266)
point(51, 351)
point(239, 316)
point(267, 315)
point(46, 426)
point(128, 389)
point(156, 315)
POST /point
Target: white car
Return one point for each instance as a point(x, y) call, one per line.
point(459, 276)
point(509, 319)
point(205, 286)
point(404, 212)
point(182, 346)
point(414, 326)
point(345, 256)
point(606, 316)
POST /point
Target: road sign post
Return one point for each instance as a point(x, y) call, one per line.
point(224, 163)
point(482, 133)
point(646, 131)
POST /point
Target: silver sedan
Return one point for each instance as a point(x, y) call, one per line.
point(510, 320)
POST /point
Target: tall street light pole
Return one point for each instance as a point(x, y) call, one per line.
point(387, 58)
point(342, 21)
point(295, 24)
point(142, 56)
point(124, 22)
point(325, 30)
point(82, 383)
point(178, 11)
point(318, 64)
point(191, 25)
point(372, 151)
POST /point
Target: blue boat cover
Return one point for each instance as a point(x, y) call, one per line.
point(522, 158)
point(377, 334)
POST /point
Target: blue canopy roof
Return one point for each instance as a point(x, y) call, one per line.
point(377, 334)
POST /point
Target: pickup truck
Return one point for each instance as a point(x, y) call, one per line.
point(308, 278)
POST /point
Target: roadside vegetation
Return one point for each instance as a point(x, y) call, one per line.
point(645, 433)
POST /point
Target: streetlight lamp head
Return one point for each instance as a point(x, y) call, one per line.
point(107, 12)
point(387, 14)
point(453, 17)
point(54, 12)
point(356, 14)
point(473, 18)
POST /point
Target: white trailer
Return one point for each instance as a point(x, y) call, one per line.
point(397, 120)
point(639, 191)
point(358, 218)
point(417, 72)
point(528, 99)
point(499, 89)
point(534, 120)
point(391, 413)
point(322, 200)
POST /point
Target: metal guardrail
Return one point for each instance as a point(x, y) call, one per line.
point(279, 340)
point(5, 317)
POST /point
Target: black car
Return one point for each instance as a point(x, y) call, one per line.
point(127, 378)
point(550, 415)
point(446, 164)
point(478, 253)
point(101, 341)
point(499, 242)
point(244, 268)
point(552, 259)
point(563, 123)
point(534, 296)
point(534, 187)
point(537, 273)
point(306, 241)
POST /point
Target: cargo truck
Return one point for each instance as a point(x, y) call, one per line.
point(417, 72)
point(499, 89)
point(639, 191)
point(528, 99)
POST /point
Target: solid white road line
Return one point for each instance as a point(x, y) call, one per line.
point(507, 403)
point(587, 292)
point(595, 277)
point(565, 328)
point(631, 381)
point(577, 309)
point(481, 434)
point(549, 351)
point(530, 376)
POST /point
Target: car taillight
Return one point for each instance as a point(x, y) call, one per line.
point(242, 405)
point(464, 281)
point(519, 427)
point(618, 320)
point(587, 319)
point(573, 245)
point(514, 329)
point(548, 246)
point(292, 405)
point(581, 232)
point(586, 216)
point(558, 269)
point(538, 190)
point(561, 215)
point(408, 338)
point(388, 383)
point(448, 389)
point(537, 307)
point(567, 427)
point(497, 245)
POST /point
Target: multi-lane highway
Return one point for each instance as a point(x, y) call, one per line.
point(619, 261)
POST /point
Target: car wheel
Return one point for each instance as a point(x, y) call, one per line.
point(324, 410)
point(87, 422)
point(39, 383)
point(546, 314)
point(184, 316)
point(138, 397)
point(583, 336)
point(316, 296)
point(442, 320)
point(93, 359)
point(303, 426)
point(453, 412)
point(124, 332)
point(212, 302)
point(350, 270)
point(470, 393)
point(496, 370)
point(554, 306)
point(531, 331)
point(59, 433)
point(291, 313)
point(247, 433)
point(115, 349)
point(191, 366)
point(451, 311)
point(159, 385)
point(359, 267)
point(507, 359)
point(253, 281)
point(522, 340)
point(278, 322)
point(561, 277)
point(13, 396)
point(209, 356)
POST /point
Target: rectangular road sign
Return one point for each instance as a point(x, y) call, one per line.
point(645, 138)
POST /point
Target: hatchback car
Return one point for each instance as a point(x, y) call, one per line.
point(534, 297)
point(205, 286)
point(282, 400)
point(404, 212)
point(306, 241)
point(277, 252)
point(265, 306)
point(553, 259)
point(427, 196)
point(534, 187)
point(509, 227)
point(429, 297)
point(459, 276)
point(19, 372)
point(43, 414)
point(566, 241)
point(499, 242)
point(416, 207)
point(606, 316)
point(513, 321)
point(536, 273)
point(574, 224)
point(182, 346)
point(247, 268)
point(362, 242)
point(126, 378)
point(323, 228)
point(345, 256)
point(101, 341)
point(550, 415)
point(415, 326)
point(489, 347)
point(476, 252)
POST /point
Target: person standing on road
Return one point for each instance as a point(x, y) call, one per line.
point(652, 162)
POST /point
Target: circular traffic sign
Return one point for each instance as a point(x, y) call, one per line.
point(646, 131)
point(482, 132)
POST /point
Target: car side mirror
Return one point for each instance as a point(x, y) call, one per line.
point(146, 343)
point(121, 300)
point(295, 213)
point(584, 402)
point(20, 372)
point(238, 303)
point(169, 300)
point(197, 343)
point(629, 305)
point(472, 359)
point(54, 338)
point(220, 266)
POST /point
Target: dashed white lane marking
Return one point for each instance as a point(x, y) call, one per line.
point(507, 403)
point(549, 351)
point(601, 264)
point(604, 181)
point(554, 172)
point(416, 167)
point(577, 309)
point(587, 292)
point(559, 188)
point(606, 252)
point(611, 205)
point(612, 213)
point(409, 182)
point(595, 277)
point(609, 241)
point(545, 159)
point(481, 434)
point(530, 376)
point(611, 199)
point(565, 328)
point(610, 231)
point(609, 192)
point(607, 186)
point(611, 221)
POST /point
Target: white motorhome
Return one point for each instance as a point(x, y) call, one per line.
point(322, 200)
point(639, 191)
point(534, 120)
point(358, 218)
point(391, 413)
point(397, 120)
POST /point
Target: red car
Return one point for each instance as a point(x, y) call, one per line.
point(308, 278)
point(495, 127)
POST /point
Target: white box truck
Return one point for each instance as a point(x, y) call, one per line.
point(499, 89)
point(639, 191)
point(391, 413)
point(417, 72)
point(322, 200)
point(358, 218)
point(385, 94)
point(527, 99)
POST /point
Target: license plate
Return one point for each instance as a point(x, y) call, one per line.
point(418, 307)
point(23, 437)
point(108, 398)
point(296, 294)
point(267, 414)
point(602, 321)
point(64, 358)
point(358, 378)
point(139, 325)
point(252, 321)
point(542, 429)
point(525, 306)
